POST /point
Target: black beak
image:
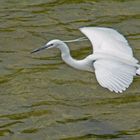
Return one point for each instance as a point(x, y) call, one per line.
point(42, 48)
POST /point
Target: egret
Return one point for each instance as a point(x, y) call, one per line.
point(112, 59)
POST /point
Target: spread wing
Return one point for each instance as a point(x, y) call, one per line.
point(108, 41)
point(104, 39)
point(114, 75)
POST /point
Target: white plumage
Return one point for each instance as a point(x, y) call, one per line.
point(108, 41)
point(112, 73)
point(112, 59)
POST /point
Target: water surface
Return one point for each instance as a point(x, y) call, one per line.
point(43, 98)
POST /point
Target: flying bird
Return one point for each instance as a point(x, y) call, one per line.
point(112, 59)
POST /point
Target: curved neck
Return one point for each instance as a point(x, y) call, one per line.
point(65, 54)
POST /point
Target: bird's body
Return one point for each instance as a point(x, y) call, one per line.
point(112, 59)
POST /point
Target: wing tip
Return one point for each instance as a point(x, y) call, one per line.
point(85, 29)
point(117, 91)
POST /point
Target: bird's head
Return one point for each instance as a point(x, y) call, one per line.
point(51, 44)
point(58, 44)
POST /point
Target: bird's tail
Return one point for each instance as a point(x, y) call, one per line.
point(138, 71)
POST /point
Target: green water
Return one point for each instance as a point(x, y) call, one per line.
point(41, 98)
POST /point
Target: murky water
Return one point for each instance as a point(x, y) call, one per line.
point(41, 98)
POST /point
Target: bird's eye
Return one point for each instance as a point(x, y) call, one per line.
point(51, 44)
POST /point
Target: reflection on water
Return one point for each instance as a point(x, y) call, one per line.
point(40, 96)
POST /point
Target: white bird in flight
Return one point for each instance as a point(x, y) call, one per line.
point(112, 59)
